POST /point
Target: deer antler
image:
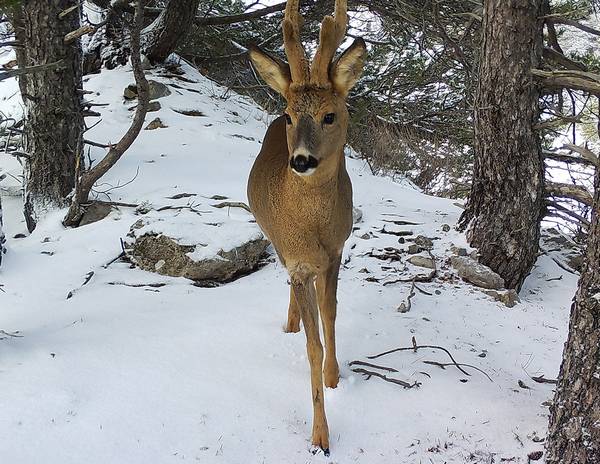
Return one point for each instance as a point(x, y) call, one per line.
point(294, 50)
point(333, 30)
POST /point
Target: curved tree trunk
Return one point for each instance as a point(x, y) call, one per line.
point(574, 436)
point(54, 118)
point(172, 25)
point(505, 206)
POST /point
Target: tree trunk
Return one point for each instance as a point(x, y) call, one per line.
point(2, 237)
point(109, 45)
point(54, 119)
point(574, 436)
point(172, 25)
point(505, 206)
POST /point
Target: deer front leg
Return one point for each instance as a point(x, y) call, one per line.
point(326, 292)
point(293, 321)
point(304, 292)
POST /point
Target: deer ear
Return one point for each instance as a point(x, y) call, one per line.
point(346, 70)
point(276, 73)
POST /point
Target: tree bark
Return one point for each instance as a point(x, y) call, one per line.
point(506, 203)
point(172, 25)
point(574, 435)
point(2, 237)
point(54, 118)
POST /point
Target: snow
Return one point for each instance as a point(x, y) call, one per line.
point(119, 370)
point(208, 229)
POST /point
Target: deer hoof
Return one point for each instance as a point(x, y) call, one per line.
point(318, 449)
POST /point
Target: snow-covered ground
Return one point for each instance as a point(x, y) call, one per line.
point(143, 374)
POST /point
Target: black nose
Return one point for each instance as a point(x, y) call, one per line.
point(303, 163)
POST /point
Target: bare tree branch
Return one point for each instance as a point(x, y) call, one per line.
point(574, 192)
point(570, 79)
point(86, 181)
point(31, 69)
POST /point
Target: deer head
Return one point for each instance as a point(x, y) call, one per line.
point(316, 113)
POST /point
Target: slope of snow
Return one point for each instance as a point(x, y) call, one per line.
point(134, 367)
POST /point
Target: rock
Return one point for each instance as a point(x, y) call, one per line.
point(152, 106)
point(130, 92)
point(575, 261)
point(509, 297)
point(156, 90)
point(95, 212)
point(156, 123)
point(446, 228)
point(563, 247)
point(181, 243)
point(424, 242)
point(476, 273)
point(365, 236)
point(422, 261)
point(413, 249)
point(357, 215)
point(459, 251)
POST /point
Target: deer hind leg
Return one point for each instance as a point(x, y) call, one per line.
point(326, 293)
point(304, 291)
point(293, 321)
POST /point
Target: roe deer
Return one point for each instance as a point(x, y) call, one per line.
point(299, 190)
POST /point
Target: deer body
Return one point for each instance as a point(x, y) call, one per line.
point(299, 190)
point(307, 222)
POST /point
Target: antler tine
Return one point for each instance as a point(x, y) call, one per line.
point(294, 49)
point(333, 30)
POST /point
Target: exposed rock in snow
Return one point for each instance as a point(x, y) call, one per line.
point(156, 123)
point(509, 297)
point(568, 252)
point(357, 215)
point(424, 242)
point(95, 212)
point(156, 90)
point(422, 261)
point(192, 247)
point(476, 273)
point(152, 106)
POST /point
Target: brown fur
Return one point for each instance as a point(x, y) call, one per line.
point(308, 218)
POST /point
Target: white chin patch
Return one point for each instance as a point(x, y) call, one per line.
point(310, 172)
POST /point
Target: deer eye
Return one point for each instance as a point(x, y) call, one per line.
point(288, 119)
point(329, 118)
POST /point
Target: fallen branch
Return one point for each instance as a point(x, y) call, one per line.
point(405, 306)
point(11, 335)
point(370, 374)
point(416, 347)
point(541, 379)
point(444, 365)
point(151, 285)
point(233, 204)
point(363, 363)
